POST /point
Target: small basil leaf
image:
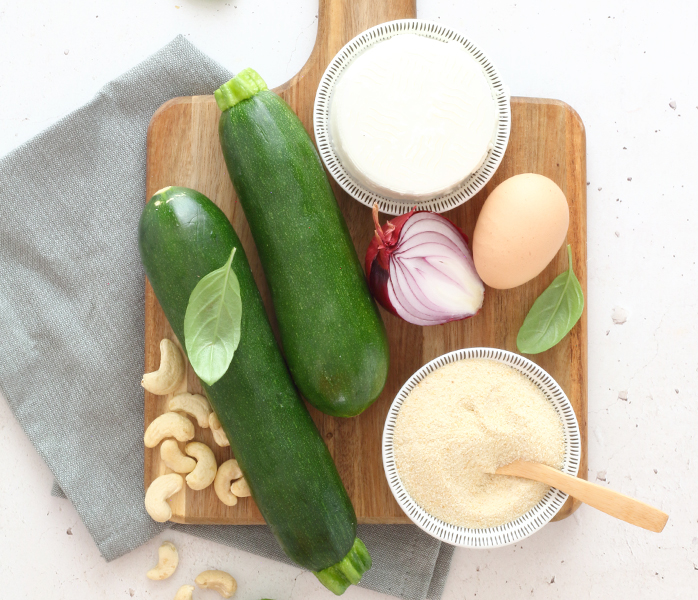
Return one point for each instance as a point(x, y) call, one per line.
point(553, 313)
point(212, 323)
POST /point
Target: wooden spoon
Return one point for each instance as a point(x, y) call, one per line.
point(612, 503)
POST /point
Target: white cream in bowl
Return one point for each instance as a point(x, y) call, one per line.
point(412, 117)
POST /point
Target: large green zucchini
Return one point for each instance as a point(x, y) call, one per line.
point(331, 332)
point(183, 236)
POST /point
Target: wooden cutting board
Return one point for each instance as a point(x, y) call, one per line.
point(547, 137)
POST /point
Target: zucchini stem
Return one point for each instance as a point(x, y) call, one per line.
point(338, 577)
point(244, 85)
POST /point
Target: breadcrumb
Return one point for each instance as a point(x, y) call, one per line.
point(458, 426)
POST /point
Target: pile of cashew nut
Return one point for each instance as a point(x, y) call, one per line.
point(197, 461)
point(168, 559)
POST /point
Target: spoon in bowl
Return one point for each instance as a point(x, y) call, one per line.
point(612, 503)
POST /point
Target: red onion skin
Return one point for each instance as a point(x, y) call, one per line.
point(385, 239)
point(378, 254)
point(378, 284)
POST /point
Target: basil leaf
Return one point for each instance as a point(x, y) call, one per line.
point(553, 313)
point(212, 323)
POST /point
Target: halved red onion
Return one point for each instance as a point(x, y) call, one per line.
point(419, 268)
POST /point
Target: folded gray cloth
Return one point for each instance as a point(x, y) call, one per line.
point(71, 320)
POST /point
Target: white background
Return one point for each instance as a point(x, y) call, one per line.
point(620, 64)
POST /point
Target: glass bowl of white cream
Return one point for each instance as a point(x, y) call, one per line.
point(411, 114)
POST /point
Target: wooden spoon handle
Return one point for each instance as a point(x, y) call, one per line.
point(612, 503)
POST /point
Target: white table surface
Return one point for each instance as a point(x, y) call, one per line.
point(629, 69)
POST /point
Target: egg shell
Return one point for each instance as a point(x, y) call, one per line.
point(520, 229)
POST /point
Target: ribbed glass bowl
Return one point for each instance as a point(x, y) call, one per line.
point(528, 523)
point(321, 122)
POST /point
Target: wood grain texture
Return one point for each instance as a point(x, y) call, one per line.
point(601, 498)
point(547, 137)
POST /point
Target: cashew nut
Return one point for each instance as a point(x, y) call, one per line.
point(171, 372)
point(227, 472)
point(168, 558)
point(218, 434)
point(205, 471)
point(193, 404)
point(184, 593)
point(170, 424)
point(220, 438)
point(159, 491)
point(175, 459)
point(213, 421)
point(241, 488)
point(219, 581)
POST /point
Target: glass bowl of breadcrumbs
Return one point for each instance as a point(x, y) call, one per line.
point(458, 419)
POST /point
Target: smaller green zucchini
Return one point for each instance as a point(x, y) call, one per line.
point(332, 334)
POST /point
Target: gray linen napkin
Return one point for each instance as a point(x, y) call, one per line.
point(71, 320)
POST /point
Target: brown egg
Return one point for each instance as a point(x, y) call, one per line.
point(521, 227)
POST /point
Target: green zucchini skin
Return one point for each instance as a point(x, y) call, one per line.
point(182, 237)
point(332, 334)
